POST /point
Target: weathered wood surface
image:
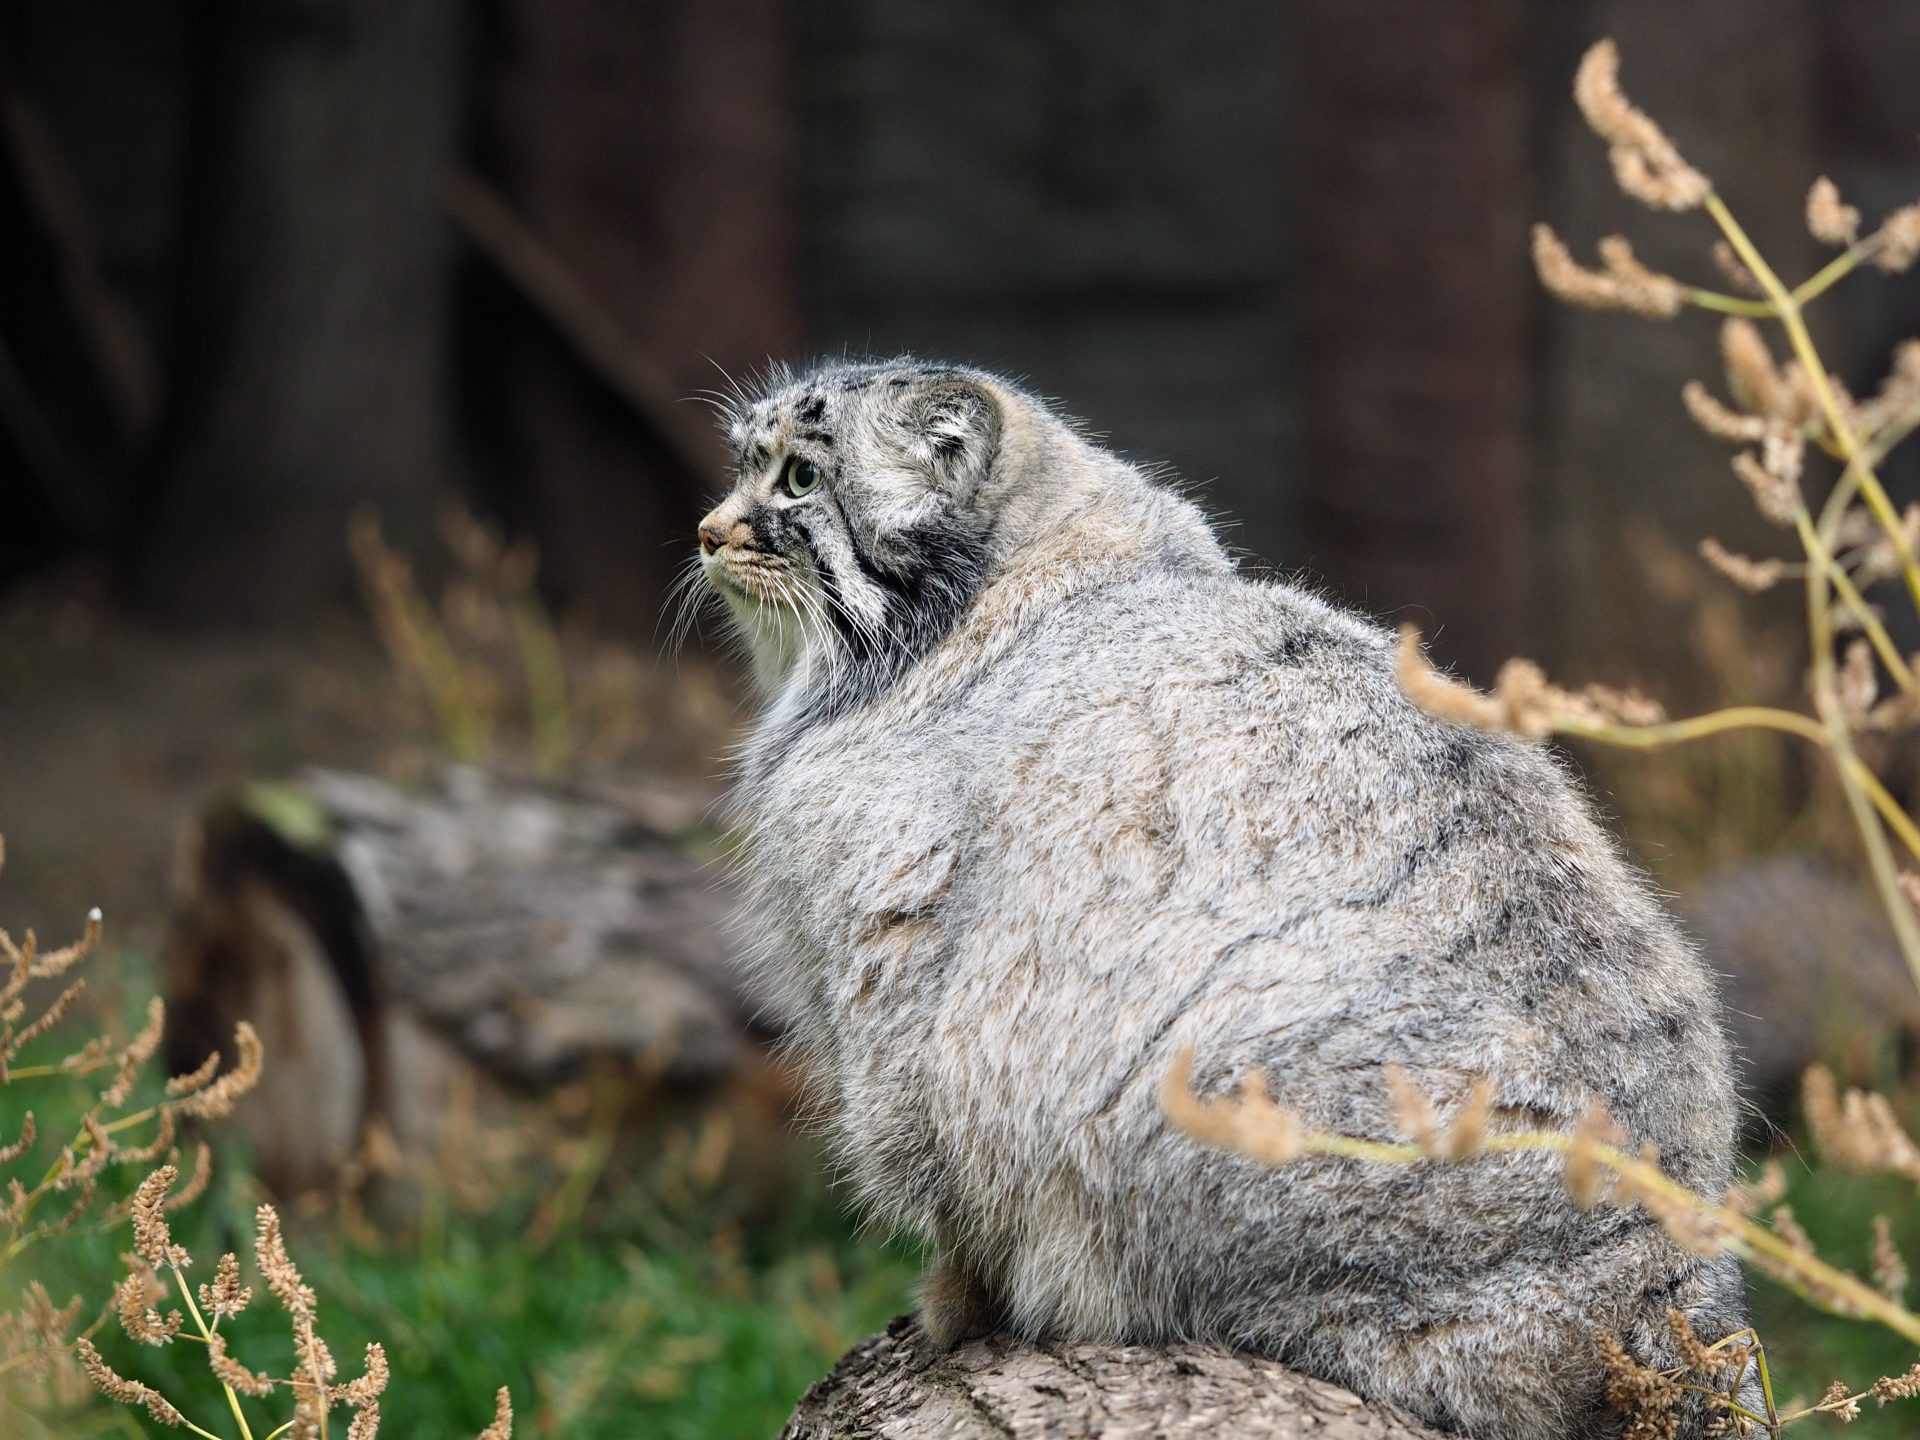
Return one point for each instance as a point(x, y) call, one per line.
point(391, 941)
point(899, 1386)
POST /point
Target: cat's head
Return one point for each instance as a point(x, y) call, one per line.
point(858, 529)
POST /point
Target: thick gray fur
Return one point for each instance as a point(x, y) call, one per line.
point(1045, 793)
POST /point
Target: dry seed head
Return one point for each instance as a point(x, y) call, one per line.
point(1586, 1176)
point(1831, 221)
point(1897, 1387)
point(1696, 1354)
point(1889, 1266)
point(23, 1144)
point(1660, 294)
point(217, 1100)
point(1776, 498)
point(1734, 270)
point(366, 1422)
point(1624, 284)
point(196, 1079)
point(276, 1266)
point(309, 1412)
point(1879, 558)
point(1536, 707)
point(1806, 395)
point(1647, 1397)
point(1839, 1402)
point(137, 1052)
point(372, 1382)
point(153, 1149)
point(151, 1237)
point(232, 1373)
point(1897, 242)
point(197, 1181)
point(1523, 700)
point(117, 1387)
point(1857, 1130)
point(1857, 684)
point(1469, 1125)
point(1897, 403)
point(226, 1295)
point(74, 1212)
point(89, 1057)
point(1412, 1115)
point(1749, 574)
point(14, 1042)
point(1440, 694)
point(1759, 1193)
point(1755, 381)
point(35, 1334)
point(1645, 162)
point(502, 1426)
point(1249, 1124)
point(1789, 1229)
point(1684, 1217)
point(1722, 422)
point(297, 1298)
point(1783, 452)
point(76, 1170)
point(135, 1300)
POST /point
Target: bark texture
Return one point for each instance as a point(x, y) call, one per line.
point(899, 1386)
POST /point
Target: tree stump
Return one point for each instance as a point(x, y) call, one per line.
point(899, 1386)
point(399, 947)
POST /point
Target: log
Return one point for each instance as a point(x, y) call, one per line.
point(396, 945)
point(898, 1385)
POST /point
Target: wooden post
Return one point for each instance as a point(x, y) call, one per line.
point(1414, 299)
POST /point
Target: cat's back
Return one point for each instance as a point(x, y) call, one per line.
point(1247, 732)
point(1184, 791)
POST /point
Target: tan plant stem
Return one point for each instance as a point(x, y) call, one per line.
point(1787, 310)
point(1835, 270)
point(1730, 304)
point(206, 1336)
point(1752, 717)
point(1876, 633)
point(1738, 1233)
point(1886, 875)
point(1869, 623)
point(1698, 727)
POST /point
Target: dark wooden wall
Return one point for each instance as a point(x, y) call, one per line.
point(1278, 248)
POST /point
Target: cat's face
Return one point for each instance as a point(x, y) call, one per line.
point(852, 538)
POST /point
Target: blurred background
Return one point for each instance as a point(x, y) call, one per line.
point(349, 345)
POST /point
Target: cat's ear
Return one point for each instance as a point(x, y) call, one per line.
point(953, 431)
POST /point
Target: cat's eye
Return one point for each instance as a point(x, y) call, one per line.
point(798, 476)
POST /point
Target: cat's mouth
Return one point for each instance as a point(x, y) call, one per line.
point(751, 576)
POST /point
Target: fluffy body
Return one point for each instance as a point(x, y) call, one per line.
point(1045, 793)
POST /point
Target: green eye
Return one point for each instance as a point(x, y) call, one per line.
point(798, 476)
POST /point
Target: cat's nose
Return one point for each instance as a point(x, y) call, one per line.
point(713, 534)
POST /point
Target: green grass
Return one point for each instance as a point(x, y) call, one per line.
point(657, 1308)
point(627, 1324)
point(1808, 1349)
